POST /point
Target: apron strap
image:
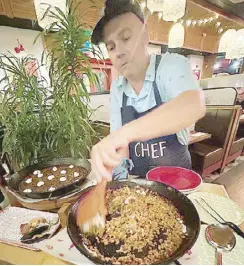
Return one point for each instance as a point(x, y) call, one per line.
point(155, 86)
point(124, 102)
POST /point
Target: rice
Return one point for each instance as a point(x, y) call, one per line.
point(141, 228)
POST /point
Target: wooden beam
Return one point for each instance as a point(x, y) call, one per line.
point(7, 7)
point(210, 7)
point(185, 47)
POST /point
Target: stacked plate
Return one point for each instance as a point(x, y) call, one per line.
point(184, 180)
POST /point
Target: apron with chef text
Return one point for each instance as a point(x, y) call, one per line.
point(162, 151)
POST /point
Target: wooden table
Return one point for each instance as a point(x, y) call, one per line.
point(198, 136)
point(16, 255)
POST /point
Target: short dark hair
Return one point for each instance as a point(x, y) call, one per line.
point(114, 8)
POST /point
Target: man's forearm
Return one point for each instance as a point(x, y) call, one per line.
point(169, 118)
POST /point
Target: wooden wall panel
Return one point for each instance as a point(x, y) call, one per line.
point(151, 26)
point(88, 13)
point(23, 9)
point(207, 70)
point(193, 38)
point(211, 43)
point(162, 30)
point(1, 9)
point(7, 7)
point(18, 8)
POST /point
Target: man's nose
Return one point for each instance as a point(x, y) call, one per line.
point(120, 55)
point(120, 51)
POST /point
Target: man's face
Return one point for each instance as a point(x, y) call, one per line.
point(126, 40)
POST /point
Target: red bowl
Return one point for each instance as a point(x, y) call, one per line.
point(180, 178)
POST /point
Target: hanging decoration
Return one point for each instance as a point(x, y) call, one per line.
point(176, 36)
point(155, 5)
point(20, 48)
point(226, 40)
point(238, 49)
point(143, 5)
point(203, 22)
point(234, 44)
point(173, 9)
point(199, 22)
point(41, 7)
point(230, 51)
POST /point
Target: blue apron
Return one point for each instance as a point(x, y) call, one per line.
point(162, 151)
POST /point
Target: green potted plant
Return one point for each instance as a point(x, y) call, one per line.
point(44, 121)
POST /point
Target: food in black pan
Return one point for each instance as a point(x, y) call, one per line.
point(52, 178)
point(141, 228)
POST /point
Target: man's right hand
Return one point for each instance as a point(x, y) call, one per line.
point(108, 153)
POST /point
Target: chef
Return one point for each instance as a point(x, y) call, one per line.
point(153, 102)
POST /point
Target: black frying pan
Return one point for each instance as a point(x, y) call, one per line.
point(183, 204)
point(16, 178)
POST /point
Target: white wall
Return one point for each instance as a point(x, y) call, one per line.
point(9, 41)
point(154, 49)
point(9, 38)
point(102, 114)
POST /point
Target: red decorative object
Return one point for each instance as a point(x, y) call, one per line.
point(189, 252)
point(101, 62)
point(19, 48)
point(71, 246)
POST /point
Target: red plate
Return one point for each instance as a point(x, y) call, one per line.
point(177, 177)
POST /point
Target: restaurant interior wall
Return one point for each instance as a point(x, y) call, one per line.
point(10, 37)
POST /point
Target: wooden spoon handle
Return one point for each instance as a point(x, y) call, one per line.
point(101, 190)
point(219, 256)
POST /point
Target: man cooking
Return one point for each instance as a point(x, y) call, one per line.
point(153, 102)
